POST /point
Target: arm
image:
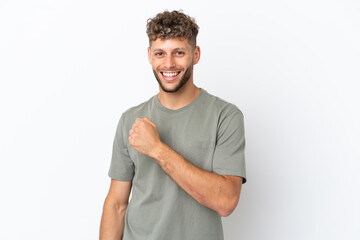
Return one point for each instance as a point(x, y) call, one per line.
point(112, 221)
point(218, 192)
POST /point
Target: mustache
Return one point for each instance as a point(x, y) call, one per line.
point(169, 69)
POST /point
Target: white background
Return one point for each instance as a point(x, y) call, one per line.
point(68, 69)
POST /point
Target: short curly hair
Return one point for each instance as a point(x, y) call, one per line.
point(175, 24)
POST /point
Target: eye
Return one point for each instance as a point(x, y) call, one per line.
point(180, 53)
point(159, 54)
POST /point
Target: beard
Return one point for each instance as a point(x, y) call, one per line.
point(181, 83)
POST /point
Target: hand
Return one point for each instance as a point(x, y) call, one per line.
point(144, 136)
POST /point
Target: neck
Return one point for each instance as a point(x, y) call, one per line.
point(180, 98)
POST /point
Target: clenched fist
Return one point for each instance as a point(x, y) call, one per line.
point(144, 136)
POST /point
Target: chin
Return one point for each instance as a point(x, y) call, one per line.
point(175, 85)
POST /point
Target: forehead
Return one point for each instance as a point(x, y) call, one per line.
point(169, 44)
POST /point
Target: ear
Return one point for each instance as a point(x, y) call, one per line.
point(149, 54)
point(196, 55)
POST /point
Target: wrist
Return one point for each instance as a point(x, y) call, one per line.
point(158, 151)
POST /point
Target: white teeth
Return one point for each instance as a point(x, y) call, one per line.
point(170, 74)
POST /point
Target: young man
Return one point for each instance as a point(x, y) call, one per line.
point(181, 152)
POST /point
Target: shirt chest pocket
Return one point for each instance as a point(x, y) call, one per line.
point(198, 152)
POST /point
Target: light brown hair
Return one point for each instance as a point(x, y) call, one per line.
point(175, 24)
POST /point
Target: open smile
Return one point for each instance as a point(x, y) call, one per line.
point(170, 76)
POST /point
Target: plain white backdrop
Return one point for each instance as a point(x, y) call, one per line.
point(68, 69)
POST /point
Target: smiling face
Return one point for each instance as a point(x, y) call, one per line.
point(172, 61)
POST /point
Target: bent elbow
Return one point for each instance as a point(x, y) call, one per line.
point(228, 208)
point(226, 212)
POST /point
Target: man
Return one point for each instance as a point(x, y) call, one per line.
point(181, 152)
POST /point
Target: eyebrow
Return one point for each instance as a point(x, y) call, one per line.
point(175, 49)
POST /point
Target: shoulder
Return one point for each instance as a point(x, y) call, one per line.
point(220, 106)
point(139, 108)
point(138, 111)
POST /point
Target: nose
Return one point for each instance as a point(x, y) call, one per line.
point(169, 62)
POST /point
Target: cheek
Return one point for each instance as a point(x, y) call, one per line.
point(188, 61)
point(156, 64)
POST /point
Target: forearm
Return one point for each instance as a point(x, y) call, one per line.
point(112, 222)
point(209, 189)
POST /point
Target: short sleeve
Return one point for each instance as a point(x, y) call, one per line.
point(229, 156)
point(121, 167)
